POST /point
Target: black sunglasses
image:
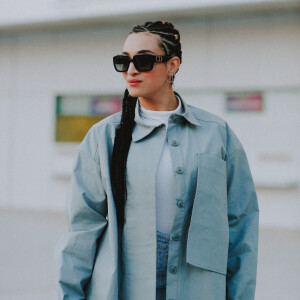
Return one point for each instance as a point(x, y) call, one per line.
point(142, 62)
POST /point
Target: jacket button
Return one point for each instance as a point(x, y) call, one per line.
point(180, 203)
point(175, 118)
point(173, 269)
point(175, 237)
point(174, 143)
point(179, 170)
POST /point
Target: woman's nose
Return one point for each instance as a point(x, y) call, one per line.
point(131, 68)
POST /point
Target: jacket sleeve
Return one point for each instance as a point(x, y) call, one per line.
point(243, 218)
point(86, 209)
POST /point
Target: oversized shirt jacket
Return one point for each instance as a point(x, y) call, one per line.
point(214, 239)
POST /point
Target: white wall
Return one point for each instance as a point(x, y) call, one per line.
point(259, 53)
point(30, 12)
point(219, 55)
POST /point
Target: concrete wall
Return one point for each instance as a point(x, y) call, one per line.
point(220, 54)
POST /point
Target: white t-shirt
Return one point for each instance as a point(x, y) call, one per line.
point(165, 190)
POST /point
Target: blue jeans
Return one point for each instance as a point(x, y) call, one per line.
point(161, 264)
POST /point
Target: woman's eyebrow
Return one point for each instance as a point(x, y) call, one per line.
point(141, 51)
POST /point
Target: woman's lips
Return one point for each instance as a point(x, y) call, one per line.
point(134, 82)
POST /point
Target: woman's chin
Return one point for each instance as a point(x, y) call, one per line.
point(133, 92)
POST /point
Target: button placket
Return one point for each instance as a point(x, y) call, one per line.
point(179, 170)
point(175, 237)
point(179, 203)
point(173, 269)
point(173, 136)
point(174, 143)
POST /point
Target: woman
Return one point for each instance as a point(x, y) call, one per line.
point(162, 203)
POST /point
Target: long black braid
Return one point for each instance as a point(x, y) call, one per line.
point(169, 39)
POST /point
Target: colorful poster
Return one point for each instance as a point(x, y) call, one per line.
point(245, 101)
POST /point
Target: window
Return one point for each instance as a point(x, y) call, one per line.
point(75, 114)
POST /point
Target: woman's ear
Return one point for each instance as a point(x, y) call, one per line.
point(173, 64)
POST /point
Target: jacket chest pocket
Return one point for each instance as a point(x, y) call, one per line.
point(208, 234)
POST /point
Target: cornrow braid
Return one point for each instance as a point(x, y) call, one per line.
point(169, 36)
point(169, 42)
point(120, 152)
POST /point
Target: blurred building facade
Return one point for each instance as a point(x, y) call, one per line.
point(66, 47)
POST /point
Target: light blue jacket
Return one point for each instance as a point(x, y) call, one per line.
point(214, 239)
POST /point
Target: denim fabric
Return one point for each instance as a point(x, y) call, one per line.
point(161, 264)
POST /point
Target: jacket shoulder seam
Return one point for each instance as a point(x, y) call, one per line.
point(197, 109)
point(210, 121)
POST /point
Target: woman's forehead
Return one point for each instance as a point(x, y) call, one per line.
point(138, 42)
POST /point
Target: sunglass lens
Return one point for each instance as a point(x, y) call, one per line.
point(121, 63)
point(144, 62)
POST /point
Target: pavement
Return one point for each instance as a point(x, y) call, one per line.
point(28, 272)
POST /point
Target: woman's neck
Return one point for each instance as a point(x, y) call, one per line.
point(164, 102)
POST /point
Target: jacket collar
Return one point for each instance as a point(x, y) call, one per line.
point(141, 130)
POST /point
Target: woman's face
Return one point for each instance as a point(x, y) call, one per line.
point(153, 81)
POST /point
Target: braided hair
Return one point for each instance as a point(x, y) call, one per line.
point(169, 42)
